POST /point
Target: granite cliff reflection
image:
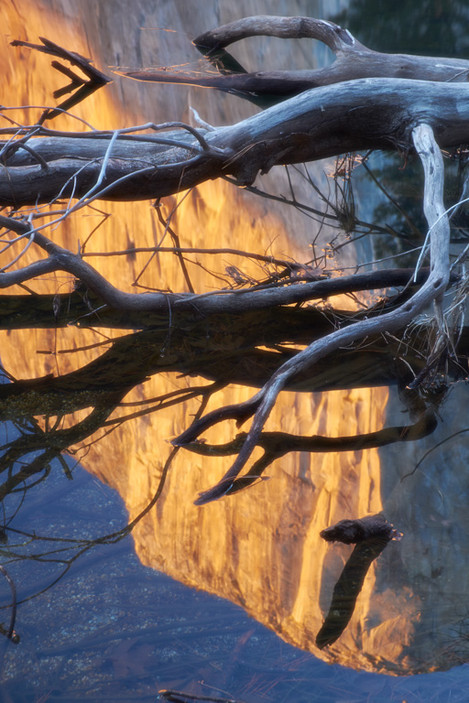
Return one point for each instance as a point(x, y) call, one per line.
point(260, 548)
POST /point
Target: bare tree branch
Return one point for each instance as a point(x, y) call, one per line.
point(431, 290)
point(353, 60)
point(220, 301)
point(370, 113)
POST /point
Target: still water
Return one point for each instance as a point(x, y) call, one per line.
point(223, 601)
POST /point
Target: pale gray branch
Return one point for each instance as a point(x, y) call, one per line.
point(331, 34)
point(371, 113)
point(432, 289)
point(354, 60)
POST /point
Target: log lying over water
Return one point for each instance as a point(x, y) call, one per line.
point(370, 113)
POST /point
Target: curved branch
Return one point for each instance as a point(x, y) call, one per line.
point(331, 34)
point(435, 285)
point(354, 60)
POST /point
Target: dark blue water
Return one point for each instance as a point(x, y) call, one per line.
point(111, 629)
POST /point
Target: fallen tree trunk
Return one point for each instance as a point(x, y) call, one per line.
point(371, 113)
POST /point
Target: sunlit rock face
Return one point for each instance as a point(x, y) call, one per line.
point(261, 547)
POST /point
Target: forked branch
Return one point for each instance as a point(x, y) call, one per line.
point(78, 87)
point(262, 403)
point(353, 60)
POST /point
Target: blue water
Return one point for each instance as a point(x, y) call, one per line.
point(112, 629)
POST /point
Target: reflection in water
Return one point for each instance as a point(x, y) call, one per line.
point(10, 632)
point(260, 548)
point(370, 534)
point(347, 590)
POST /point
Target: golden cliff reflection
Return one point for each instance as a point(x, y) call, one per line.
point(260, 548)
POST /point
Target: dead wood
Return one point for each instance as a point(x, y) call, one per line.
point(366, 100)
point(370, 113)
point(261, 404)
point(353, 60)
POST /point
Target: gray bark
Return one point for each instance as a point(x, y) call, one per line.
point(370, 113)
point(262, 403)
point(353, 59)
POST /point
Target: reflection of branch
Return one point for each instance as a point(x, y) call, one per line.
point(173, 696)
point(371, 534)
point(81, 87)
point(360, 530)
point(48, 445)
point(347, 590)
point(277, 444)
point(10, 633)
point(81, 545)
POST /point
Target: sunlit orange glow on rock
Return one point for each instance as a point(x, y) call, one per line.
point(261, 547)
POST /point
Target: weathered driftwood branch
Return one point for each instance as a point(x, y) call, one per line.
point(353, 59)
point(225, 301)
point(261, 404)
point(361, 529)
point(277, 444)
point(370, 113)
point(334, 36)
